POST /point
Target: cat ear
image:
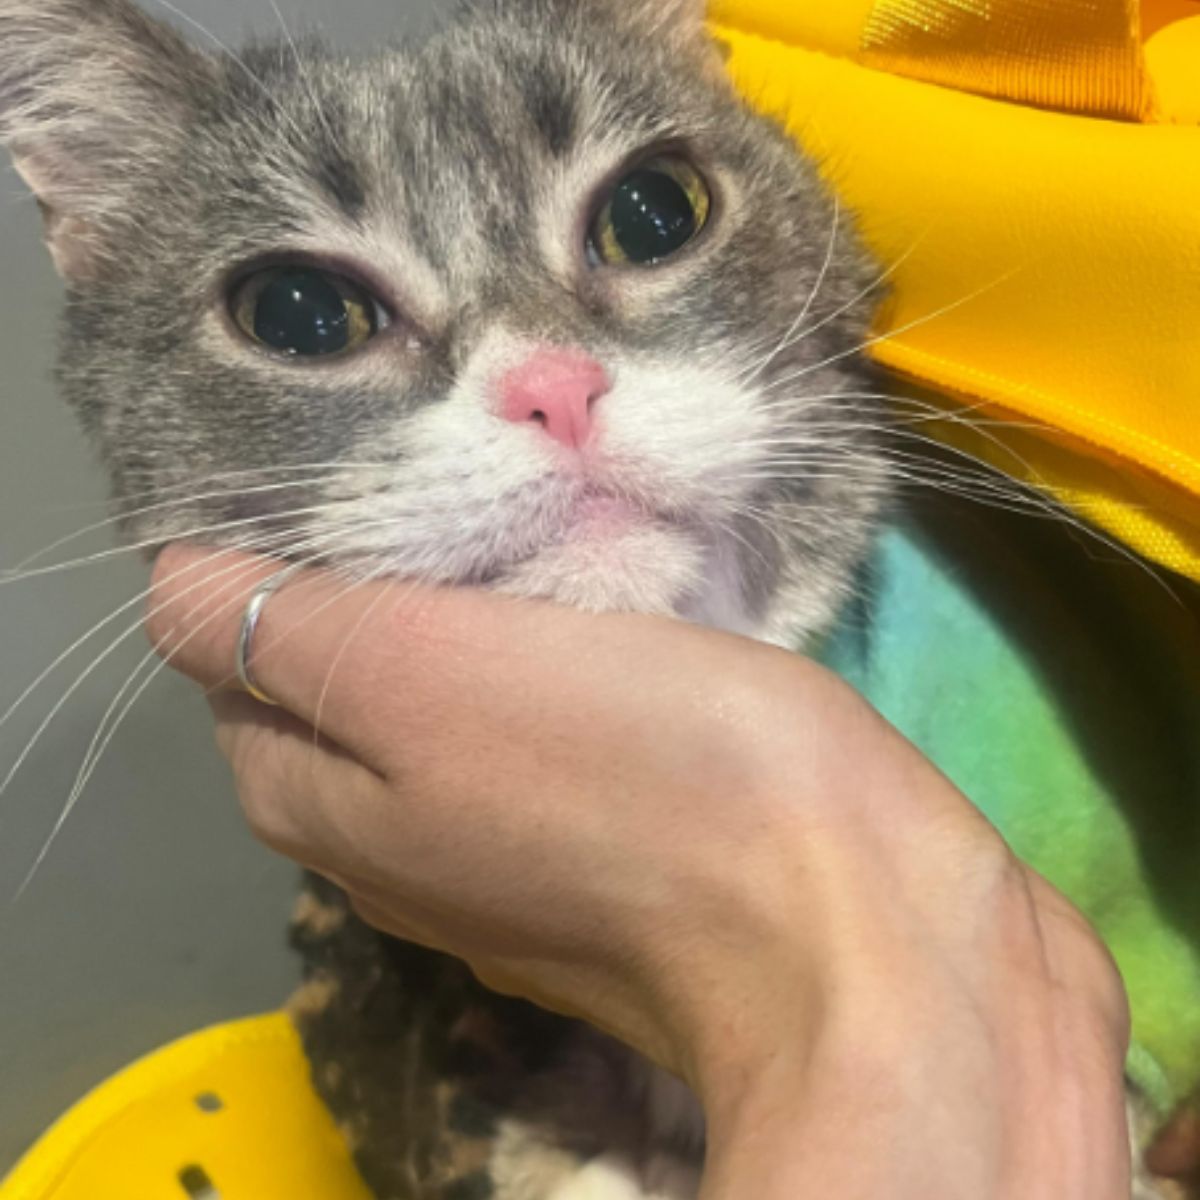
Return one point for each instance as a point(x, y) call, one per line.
point(692, 11)
point(671, 18)
point(90, 91)
point(681, 23)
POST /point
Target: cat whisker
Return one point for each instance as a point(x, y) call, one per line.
point(802, 401)
point(79, 681)
point(257, 545)
point(238, 61)
point(832, 471)
point(1025, 465)
point(892, 334)
point(894, 428)
point(196, 533)
point(808, 450)
point(330, 468)
point(109, 725)
point(800, 335)
point(381, 571)
point(791, 334)
point(161, 506)
point(801, 454)
point(992, 488)
point(247, 545)
point(983, 475)
point(928, 413)
point(942, 448)
point(727, 528)
point(105, 732)
point(304, 74)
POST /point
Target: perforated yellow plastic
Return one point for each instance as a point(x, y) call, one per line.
point(227, 1114)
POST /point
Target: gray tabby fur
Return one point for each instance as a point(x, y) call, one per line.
point(456, 182)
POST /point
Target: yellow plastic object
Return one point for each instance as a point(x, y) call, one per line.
point(227, 1114)
point(1044, 262)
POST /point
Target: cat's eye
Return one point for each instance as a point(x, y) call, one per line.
point(652, 213)
point(305, 311)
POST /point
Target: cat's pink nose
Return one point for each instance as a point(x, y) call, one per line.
point(557, 389)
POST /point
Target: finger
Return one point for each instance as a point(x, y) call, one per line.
point(299, 791)
point(379, 664)
point(306, 634)
point(466, 695)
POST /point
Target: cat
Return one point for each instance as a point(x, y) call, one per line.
point(540, 306)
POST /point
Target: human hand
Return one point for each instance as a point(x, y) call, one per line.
point(710, 848)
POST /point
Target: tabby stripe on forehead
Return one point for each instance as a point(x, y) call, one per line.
point(342, 179)
point(553, 106)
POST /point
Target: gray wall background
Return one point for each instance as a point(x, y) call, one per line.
point(154, 913)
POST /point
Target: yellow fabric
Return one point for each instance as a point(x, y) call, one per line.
point(1082, 55)
point(135, 1136)
point(1044, 265)
point(1172, 56)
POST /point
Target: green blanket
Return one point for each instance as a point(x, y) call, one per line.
point(1059, 687)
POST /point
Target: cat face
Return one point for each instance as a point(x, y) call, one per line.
point(540, 307)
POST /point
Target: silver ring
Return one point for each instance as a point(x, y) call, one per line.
point(250, 620)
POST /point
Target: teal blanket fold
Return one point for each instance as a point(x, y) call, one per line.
point(1061, 693)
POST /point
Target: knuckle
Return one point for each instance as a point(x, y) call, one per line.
point(256, 796)
point(263, 812)
point(1104, 995)
point(1000, 880)
point(258, 786)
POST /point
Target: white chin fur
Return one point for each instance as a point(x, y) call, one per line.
point(648, 569)
point(476, 498)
